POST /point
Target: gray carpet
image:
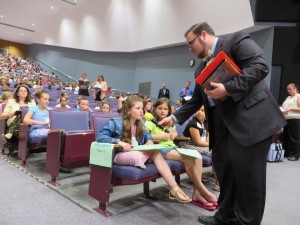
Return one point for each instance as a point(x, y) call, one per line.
point(25, 200)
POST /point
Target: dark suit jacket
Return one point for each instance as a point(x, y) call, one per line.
point(161, 93)
point(250, 114)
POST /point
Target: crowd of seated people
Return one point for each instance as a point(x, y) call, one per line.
point(35, 88)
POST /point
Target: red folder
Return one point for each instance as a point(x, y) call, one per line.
point(220, 70)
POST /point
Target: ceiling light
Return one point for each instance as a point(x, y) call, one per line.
point(22, 34)
point(52, 7)
point(1, 16)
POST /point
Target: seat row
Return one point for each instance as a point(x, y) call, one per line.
point(68, 146)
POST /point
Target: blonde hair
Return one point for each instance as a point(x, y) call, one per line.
point(6, 95)
point(126, 133)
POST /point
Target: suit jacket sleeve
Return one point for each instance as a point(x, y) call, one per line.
point(191, 106)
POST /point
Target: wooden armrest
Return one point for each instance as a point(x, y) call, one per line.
point(56, 131)
point(182, 138)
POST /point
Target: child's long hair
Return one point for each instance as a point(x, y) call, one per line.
point(160, 102)
point(126, 134)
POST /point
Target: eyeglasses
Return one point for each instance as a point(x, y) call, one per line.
point(190, 43)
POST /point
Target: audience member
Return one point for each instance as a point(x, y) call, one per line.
point(83, 85)
point(63, 103)
point(129, 131)
point(105, 107)
point(38, 117)
point(193, 166)
point(178, 104)
point(186, 92)
point(147, 105)
point(164, 92)
point(13, 113)
point(197, 130)
point(83, 105)
point(6, 95)
point(291, 111)
point(100, 87)
point(37, 89)
point(112, 96)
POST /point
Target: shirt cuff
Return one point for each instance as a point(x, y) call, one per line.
point(174, 118)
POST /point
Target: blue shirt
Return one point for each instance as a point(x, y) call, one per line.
point(112, 132)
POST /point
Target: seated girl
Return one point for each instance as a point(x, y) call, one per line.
point(63, 103)
point(105, 107)
point(148, 105)
point(197, 130)
point(38, 117)
point(193, 166)
point(129, 131)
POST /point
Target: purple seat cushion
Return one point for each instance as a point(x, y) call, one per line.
point(135, 173)
point(206, 160)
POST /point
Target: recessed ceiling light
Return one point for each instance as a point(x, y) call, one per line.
point(22, 34)
point(1, 16)
point(52, 7)
point(32, 24)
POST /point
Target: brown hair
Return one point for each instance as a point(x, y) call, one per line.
point(198, 28)
point(160, 102)
point(28, 97)
point(40, 94)
point(105, 102)
point(126, 134)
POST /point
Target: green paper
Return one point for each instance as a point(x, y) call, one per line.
point(101, 154)
point(148, 147)
point(189, 152)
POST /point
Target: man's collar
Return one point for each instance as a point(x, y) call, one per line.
point(211, 51)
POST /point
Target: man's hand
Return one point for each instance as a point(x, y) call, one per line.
point(167, 122)
point(218, 91)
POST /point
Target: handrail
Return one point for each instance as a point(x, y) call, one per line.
point(69, 78)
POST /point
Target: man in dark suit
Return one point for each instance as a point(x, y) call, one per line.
point(164, 92)
point(242, 117)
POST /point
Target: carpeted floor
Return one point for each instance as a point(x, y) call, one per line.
point(25, 199)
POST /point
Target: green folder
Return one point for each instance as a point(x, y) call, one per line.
point(148, 147)
point(189, 152)
point(101, 154)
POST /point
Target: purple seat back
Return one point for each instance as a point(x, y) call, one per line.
point(24, 111)
point(3, 106)
point(68, 120)
point(99, 120)
point(180, 128)
point(98, 123)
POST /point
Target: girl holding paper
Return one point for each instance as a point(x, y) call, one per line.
point(129, 131)
point(193, 166)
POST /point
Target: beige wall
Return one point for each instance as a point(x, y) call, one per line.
point(15, 49)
